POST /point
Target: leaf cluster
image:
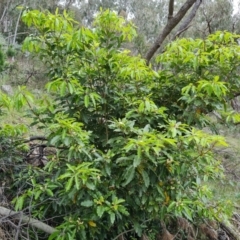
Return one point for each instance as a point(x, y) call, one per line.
point(203, 76)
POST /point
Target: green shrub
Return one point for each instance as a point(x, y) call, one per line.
point(129, 154)
point(10, 52)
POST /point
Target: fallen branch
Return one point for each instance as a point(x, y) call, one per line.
point(25, 219)
point(33, 138)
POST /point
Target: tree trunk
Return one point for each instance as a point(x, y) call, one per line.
point(185, 25)
point(17, 23)
point(171, 24)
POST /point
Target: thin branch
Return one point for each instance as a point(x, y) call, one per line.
point(4, 11)
point(19, 226)
point(16, 34)
point(130, 230)
point(119, 235)
point(179, 32)
point(208, 21)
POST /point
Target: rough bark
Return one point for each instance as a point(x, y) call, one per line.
point(171, 24)
point(25, 219)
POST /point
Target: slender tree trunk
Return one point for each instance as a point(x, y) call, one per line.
point(171, 24)
point(5, 11)
point(17, 23)
point(185, 25)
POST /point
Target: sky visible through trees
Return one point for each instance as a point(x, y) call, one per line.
point(236, 7)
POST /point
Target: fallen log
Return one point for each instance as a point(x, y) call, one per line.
point(25, 219)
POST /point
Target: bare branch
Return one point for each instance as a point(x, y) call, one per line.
point(171, 24)
point(25, 219)
point(185, 25)
point(19, 226)
point(208, 21)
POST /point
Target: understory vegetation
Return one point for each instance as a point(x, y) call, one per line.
point(111, 148)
